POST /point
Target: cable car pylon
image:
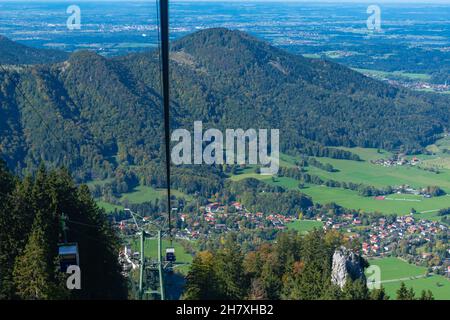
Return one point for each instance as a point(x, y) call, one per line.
point(170, 252)
point(160, 266)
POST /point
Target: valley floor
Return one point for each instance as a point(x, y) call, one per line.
point(395, 271)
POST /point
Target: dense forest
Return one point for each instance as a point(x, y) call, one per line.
point(30, 231)
point(15, 53)
point(93, 114)
point(294, 267)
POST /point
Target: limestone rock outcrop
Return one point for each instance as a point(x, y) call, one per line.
point(346, 264)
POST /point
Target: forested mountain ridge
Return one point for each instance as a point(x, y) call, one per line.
point(316, 99)
point(15, 53)
point(103, 111)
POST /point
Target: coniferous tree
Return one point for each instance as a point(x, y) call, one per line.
point(312, 282)
point(404, 294)
point(426, 295)
point(257, 290)
point(229, 270)
point(7, 245)
point(202, 283)
point(356, 290)
point(379, 294)
point(33, 272)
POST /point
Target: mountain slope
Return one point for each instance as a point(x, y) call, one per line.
point(316, 99)
point(15, 53)
point(103, 112)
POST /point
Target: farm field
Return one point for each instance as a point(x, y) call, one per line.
point(441, 158)
point(395, 74)
point(438, 163)
point(370, 174)
point(379, 176)
point(394, 271)
point(304, 226)
point(399, 204)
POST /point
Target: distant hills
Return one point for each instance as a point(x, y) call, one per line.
point(15, 53)
point(106, 111)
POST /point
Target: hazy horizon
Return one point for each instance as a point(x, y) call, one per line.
point(266, 1)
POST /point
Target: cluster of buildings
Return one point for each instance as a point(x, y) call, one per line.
point(421, 85)
point(384, 237)
point(345, 222)
point(216, 214)
point(216, 211)
point(396, 161)
point(378, 235)
point(406, 189)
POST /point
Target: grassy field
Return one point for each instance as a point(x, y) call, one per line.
point(151, 251)
point(304, 226)
point(349, 171)
point(395, 74)
point(400, 204)
point(370, 174)
point(441, 157)
point(138, 195)
point(143, 194)
point(394, 271)
point(438, 163)
point(379, 176)
point(108, 206)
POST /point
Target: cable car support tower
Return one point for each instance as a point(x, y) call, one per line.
point(160, 266)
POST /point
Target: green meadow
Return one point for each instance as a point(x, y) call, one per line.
point(395, 74)
point(304, 226)
point(108, 207)
point(138, 195)
point(142, 194)
point(441, 154)
point(395, 271)
point(380, 176)
point(184, 259)
point(369, 174)
point(399, 204)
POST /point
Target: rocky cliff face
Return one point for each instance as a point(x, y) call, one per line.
point(346, 264)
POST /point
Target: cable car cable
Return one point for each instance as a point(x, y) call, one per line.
point(164, 54)
point(82, 224)
point(87, 236)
